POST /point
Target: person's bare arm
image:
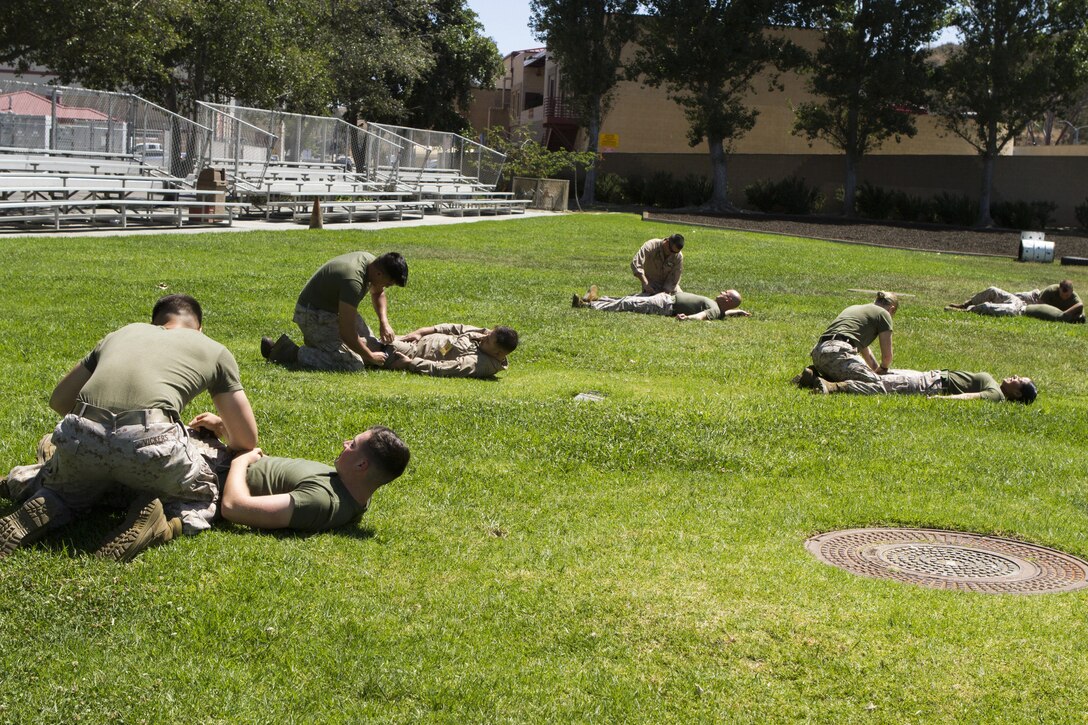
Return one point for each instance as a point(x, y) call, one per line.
point(239, 427)
point(1074, 312)
point(867, 356)
point(64, 395)
point(959, 396)
point(738, 313)
point(241, 507)
point(381, 306)
point(885, 351)
point(349, 334)
point(416, 335)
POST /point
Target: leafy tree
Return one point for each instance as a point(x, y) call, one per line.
point(463, 59)
point(707, 54)
point(1018, 59)
point(526, 157)
point(869, 71)
point(586, 37)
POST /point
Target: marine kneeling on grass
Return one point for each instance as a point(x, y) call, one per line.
point(684, 306)
point(121, 427)
point(453, 351)
point(270, 492)
point(943, 384)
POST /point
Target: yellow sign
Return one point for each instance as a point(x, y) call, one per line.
point(608, 142)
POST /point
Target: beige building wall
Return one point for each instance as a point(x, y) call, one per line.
point(647, 121)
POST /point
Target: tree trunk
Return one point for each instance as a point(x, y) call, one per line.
point(593, 132)
point(850, 186)
point(718, 199)
point(984, 218)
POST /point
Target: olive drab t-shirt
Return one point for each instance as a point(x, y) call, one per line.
point(689, 304)
point(863, 323)
point(321, 499)
point(959, 381)
point(1052, 296)
point(1044, 312)
point(143, 366)
point(341, 279)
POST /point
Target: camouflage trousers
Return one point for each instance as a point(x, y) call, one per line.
point(901, 382)
point(92, 459)
point(658, 304)
point(322, 347)
point(997, 302)
point(837, 361)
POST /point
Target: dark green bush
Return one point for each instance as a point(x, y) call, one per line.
point(1023, 214)
point(873, 202)
point(791, 195)
point(955, 209)
point(1081, 212)
point(913, 208)
point(612, 189)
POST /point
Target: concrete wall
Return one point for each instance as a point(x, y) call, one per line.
point(1062, 180)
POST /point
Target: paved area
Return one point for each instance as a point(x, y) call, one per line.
point(250, 225)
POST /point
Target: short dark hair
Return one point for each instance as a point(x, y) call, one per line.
point(388, 452)
point(1028, 392)
point(394, 266)
point(506, 337)
point(1066, 285)
point(176, 306)
point(676, 240)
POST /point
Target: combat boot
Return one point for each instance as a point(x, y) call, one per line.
point(284, 351)
point(28, 523)
point(145, 526)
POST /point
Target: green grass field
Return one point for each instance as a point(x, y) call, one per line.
point(637, 559)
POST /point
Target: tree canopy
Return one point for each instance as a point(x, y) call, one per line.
point(413, 61)
point(1017, 60)
point(586, 37)
point(707, 54)
point(869, 73)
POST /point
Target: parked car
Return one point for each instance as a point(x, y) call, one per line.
point(149, 152)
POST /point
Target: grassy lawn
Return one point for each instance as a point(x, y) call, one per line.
point(637, 559)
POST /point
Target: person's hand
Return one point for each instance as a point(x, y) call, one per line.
point(681, 317)
point(209, 421)
point(377, 358)
point(400, 361)
point(882, 370)
point(646, 288)
point(410, 337)
point(248, 458)
point(387, 335)
point(739, 313)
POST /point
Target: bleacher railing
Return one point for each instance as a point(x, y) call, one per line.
point(443, 150)
point(40, 118)
point(236, 145)
point(301, 140)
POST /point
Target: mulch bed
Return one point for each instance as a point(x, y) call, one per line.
point(923, 237)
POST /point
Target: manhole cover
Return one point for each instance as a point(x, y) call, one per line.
point(951, 560)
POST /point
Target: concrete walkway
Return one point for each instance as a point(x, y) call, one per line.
point(251, 225)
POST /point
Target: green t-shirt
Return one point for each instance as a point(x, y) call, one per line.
point(862, 323)
point(1044, 312)
point(689, 304)
point(341, 279)
point(1052, 296)
point(321, 499)
point(960, 381)
point(145, 366)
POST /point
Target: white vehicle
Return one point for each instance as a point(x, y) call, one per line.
point(149, 151)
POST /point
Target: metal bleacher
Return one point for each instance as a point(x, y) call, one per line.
point(78, 158)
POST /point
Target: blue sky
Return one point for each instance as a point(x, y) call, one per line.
point(507, 22)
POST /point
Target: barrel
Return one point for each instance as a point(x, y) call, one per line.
point(1033, 248)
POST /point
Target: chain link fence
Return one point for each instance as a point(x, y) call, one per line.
point(426, 150)
point(41, 118)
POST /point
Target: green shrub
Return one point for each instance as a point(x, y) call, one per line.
point(1081, 212)
point(791, 195)
point(660, 190)
point(873, 202)
point(956, 209)
point(913, 208)
point(1023, 214)
point(612, 189)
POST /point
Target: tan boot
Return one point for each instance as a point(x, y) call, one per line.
point(145, 526)
point(46, 449)
point(29, 522)
point(593, 294)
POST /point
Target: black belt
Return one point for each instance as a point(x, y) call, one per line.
point(127, 417)
point(840, 338)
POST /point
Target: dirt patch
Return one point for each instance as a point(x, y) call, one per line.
point(924, 237)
